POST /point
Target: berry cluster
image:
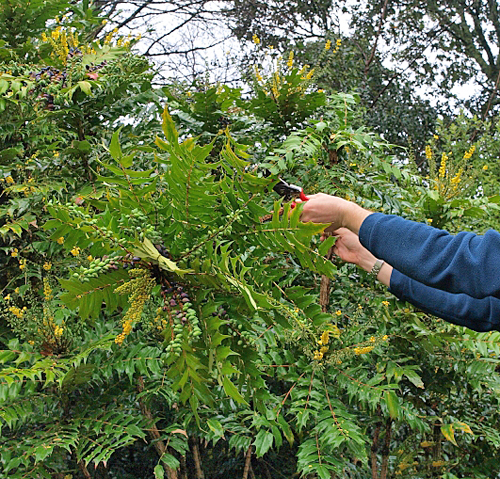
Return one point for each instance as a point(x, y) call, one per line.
point(95, 268)
point(137, 224)
point(183, 315)
point(234, 328)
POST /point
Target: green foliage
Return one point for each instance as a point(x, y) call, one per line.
point(161, 305)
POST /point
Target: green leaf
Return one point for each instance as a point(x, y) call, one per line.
point(85, 86)
point(414, 378)
point(326, 245)
point(449, 433)
point(263, 442)
point(232, 392)
point(114, 147)
point(392, 401)
point(216, 427)
point(42, 452)
point(169, 129)
point(147, 250)
point(159, 472)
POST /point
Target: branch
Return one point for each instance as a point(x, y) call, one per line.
point(386, 450)
point(248, 460)
point(374, 448)
point(374, 48)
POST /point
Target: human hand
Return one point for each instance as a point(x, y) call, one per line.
point(321, 208)
point(348, 248)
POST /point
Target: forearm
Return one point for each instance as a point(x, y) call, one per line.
point(353, 216)
point(462, 263)
point(461, 309)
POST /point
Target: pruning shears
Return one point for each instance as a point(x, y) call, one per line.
point(289, 192)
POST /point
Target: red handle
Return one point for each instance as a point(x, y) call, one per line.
point(303, 197)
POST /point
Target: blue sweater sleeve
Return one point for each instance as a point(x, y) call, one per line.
point(463, 263)
point(477, 314)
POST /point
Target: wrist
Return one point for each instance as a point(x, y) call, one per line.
point(353, 216)
point(366, 261)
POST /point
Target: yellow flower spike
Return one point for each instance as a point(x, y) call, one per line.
point(325, 337)
point(363, 350)
point(289, 63)
point(328, 45)
point(257, 74)
point(310, 74)
point(442, 168)
point(428, 152)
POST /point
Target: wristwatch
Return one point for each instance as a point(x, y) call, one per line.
point(376, 267)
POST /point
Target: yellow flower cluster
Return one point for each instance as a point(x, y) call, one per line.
point(47, 266)
point(457, 178)
point(276, 85)
point(9, 180)
point(58, 331)
point(255, 39)
point(75, 251)
point(139, 288)
point(22, 263)
point(442, 168)
point(60, 240)
point(47, 290)
point(363, 350)
point(17, 312)
point(258, 74)
point(109, 37)
point(324, 340)
point(468, 154)
point(338, 44)
point(289, 63)
point(159, 322)
point(428, 152)
point(14, 252)
point(61, 41)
